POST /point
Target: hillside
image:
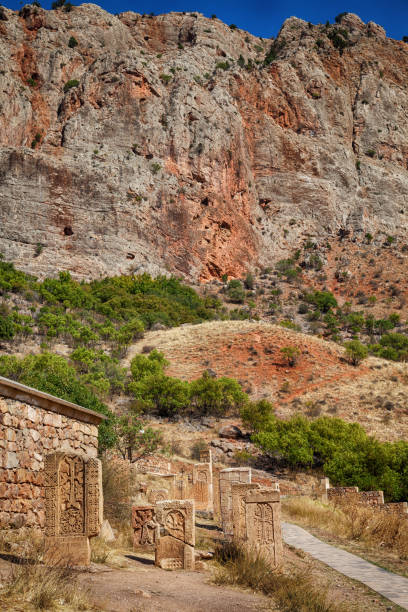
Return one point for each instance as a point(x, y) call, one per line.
point(177, 143)
point(322, 382)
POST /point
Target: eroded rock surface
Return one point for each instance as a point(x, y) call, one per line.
point(166, 144)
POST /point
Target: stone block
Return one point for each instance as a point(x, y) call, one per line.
point(263, 524)
point(73, 503)
point(67, 550)
point(145, 527)
point(238, 493)
point(227, 477)
point(175, 544)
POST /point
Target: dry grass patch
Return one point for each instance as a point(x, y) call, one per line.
point(292, 593)
point(352, 522)
point(32, 585)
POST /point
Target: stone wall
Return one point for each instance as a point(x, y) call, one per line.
point(27, 434)
point(353, 495)
point(396, 508)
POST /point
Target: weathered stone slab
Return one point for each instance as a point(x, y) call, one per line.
point(29, 433)
point(73, 507)
point(176, 541)
point(153, 487)
point(238, 492)
point(203, 486)
point(227, 477)
point(263, 524)
point(145, 527)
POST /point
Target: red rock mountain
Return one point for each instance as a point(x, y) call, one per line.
point(132, 143)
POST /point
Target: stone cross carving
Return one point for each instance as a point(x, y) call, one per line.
point(73, 507)
point(227, 478)
point(238, 492)
point(144, 526)
point(263, 523)
point(202, 486)
point(175, 545)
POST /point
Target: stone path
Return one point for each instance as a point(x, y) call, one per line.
point(391, 586)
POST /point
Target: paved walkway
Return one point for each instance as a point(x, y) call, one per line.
point(391, 586)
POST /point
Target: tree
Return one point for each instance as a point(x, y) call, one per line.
point(323, 300)
point(258, 416)
point(132, 435)
point(291, 354)
point(142, 366)
point(210, 396)
point(163, 395)
point(355, 351)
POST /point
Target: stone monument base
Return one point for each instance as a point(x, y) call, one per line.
point(67, 550)
point(171, 553)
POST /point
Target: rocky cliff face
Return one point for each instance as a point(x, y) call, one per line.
point(133, 143)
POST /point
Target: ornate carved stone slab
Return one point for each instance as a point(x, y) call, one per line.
point(238, 492)
point(73, 507)
point(202, 489)
point(175, 546)
point(144, 526)
point(227, 477)
point(263, 523)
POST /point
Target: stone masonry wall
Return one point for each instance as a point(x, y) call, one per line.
point(27, 434)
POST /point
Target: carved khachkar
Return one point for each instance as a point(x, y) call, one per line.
point(156, 495)
point(263, 524)
point(238, 492)
point(202, 489)
point(227, 477)
point(175, 545)
point(144, 526)
point(73, 507)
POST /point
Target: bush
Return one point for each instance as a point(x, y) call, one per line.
point(70, 84)
point(217, 397)
point(355, 351)
point(197, 448)
point(53, 374)
point(291, 354)
point(347, 455)
point(235, 291)
point(323, 300)
point(72, 43)
point(258, 416)
point(286, 267)
point(249, 568)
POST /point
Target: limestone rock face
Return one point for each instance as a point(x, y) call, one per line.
point(132, 143)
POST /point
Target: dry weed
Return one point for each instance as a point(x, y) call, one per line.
point(294, 593)
point(352, 522)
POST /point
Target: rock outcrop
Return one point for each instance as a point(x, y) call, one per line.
point(174, 143)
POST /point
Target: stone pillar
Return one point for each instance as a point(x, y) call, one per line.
point(263, 524)
point(175, 545)
point(227, 477)
point(324, 485)
point(145, 527)
point(238, 492)
point(73, 507)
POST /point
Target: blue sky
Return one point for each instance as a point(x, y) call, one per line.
point(265, 18)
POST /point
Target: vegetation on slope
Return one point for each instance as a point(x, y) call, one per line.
point(344, 451)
